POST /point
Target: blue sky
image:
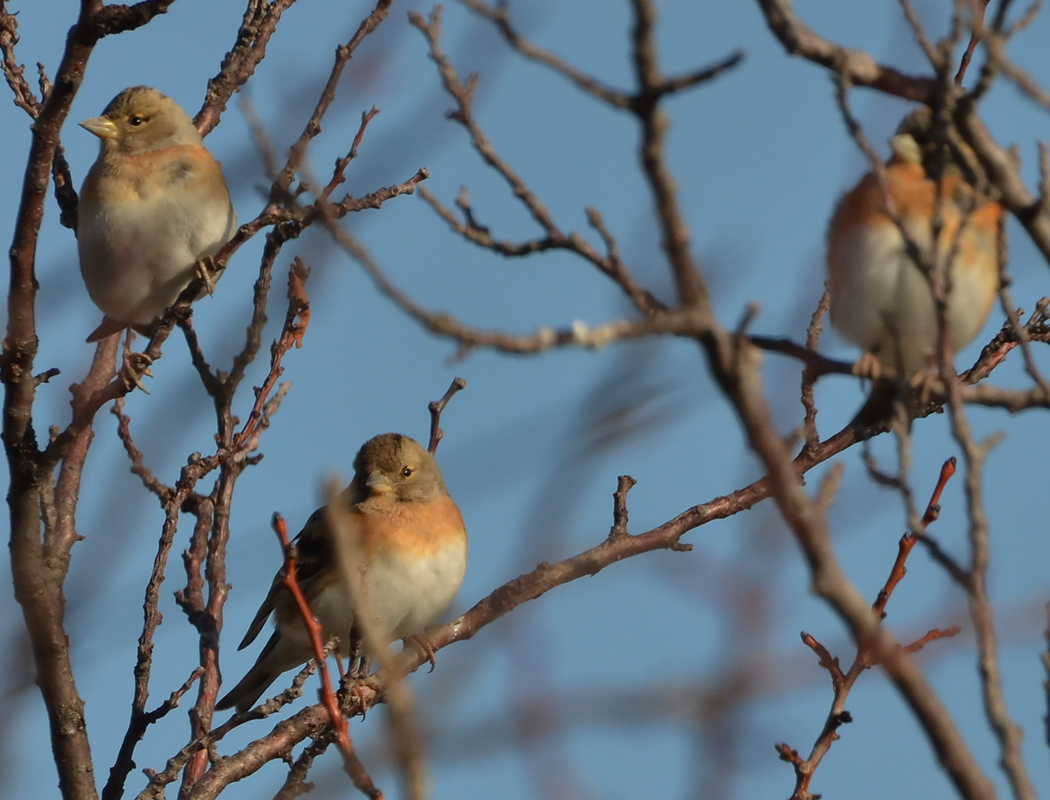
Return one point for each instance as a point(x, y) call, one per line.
point(760, 157)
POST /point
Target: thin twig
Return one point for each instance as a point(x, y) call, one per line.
point(436, 407)
point(462, 93)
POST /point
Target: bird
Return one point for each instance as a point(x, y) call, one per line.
point(413, 550)
point(152, 207)
point(881, 299)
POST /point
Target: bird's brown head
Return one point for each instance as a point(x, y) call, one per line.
point(399, 467)
point(939, 148)
point(141, 119)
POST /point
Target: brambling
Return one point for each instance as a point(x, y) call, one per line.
point(881, 300)
point(153, 205)
point(413, 547)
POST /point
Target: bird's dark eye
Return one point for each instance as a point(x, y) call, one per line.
point(406, 472)
point(135, 120)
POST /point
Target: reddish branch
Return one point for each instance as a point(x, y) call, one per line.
point(865, 657)
point(908, 540)
point(339, 173)
point(205, 560)
point(313, 629)
point(354, 768)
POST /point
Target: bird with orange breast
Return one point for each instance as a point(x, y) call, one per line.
point(881, 244)
point(413, 550)
point(153, 205)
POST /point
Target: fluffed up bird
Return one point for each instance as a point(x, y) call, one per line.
point(413, 547)
point(152, 206)
point(880, 298)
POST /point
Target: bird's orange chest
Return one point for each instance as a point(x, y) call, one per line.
point(906, 192)
point(916, 201)
point(124, 177)
point(420, 529)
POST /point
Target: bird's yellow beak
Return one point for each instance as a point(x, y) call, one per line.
point(379, 483)
point(100, 126)
point(906, 149)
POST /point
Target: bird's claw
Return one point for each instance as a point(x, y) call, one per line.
point(136, 367)
point(868, 366)
point(203, 271)
point(926, 384)
point(355, 692)
point(420, 641)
